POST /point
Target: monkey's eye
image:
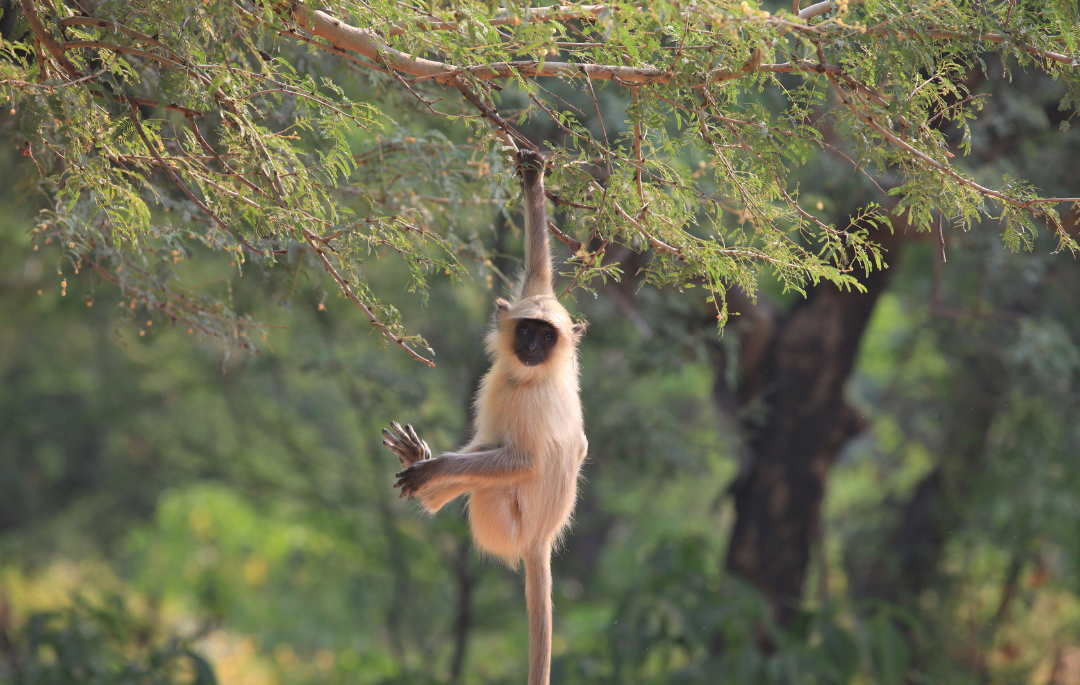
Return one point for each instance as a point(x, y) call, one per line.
point(548, 337)
point(524, 330)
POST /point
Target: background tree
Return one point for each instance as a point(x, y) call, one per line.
point(703, 150)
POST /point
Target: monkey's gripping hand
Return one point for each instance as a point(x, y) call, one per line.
point(416, 476)
point(407, 445)
point(531, 166)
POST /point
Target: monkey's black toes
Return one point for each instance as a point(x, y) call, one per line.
point(392, 443)
point(391, 438)
point(406, 444)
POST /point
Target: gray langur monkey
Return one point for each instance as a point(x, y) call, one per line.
point(520, 469)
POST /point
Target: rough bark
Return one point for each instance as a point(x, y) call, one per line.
point(791, 390)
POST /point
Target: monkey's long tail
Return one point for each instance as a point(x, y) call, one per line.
point(538, 601)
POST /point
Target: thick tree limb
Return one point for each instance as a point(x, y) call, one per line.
point(368, 42)
point(505, 18)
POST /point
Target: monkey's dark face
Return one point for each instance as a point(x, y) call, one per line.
point(534, 340)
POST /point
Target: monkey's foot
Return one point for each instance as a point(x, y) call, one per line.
point(407, 445)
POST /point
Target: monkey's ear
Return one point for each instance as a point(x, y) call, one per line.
point(578, 329)
point(502, 305)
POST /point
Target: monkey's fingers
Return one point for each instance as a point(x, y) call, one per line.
point(407, 489)
point(413, 478)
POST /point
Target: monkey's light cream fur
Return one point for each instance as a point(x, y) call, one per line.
point(520, 469)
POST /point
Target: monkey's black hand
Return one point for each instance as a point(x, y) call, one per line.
point(531, 165)
point(407, 445)
point(413, 478)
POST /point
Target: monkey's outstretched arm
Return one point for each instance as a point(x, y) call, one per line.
point(537, 277)
point(499, 465)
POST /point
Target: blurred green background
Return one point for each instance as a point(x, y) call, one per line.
point(172, 514)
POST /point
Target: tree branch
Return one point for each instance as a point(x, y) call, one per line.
point(368, 43)
point(505, 17)
point(46, 39)
point(105, 24)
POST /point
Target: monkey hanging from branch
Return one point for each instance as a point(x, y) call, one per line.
point(520, 469)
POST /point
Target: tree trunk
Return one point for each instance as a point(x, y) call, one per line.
point(791, 393)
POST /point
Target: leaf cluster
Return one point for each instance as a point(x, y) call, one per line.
point(287, 134)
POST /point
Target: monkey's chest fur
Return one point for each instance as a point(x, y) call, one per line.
point(541, 422)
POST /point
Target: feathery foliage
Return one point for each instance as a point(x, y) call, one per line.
point(175, 129)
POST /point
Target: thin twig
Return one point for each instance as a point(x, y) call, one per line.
point(345, 288)
point(637, 151)
point(229, 170)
